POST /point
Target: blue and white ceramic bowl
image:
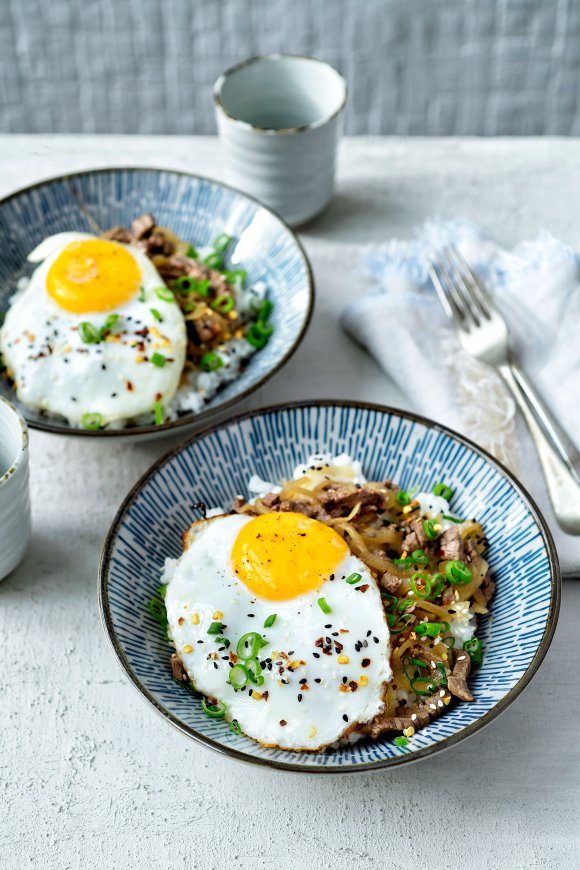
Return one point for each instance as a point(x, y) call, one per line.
point(216, 465)
point(195, 208)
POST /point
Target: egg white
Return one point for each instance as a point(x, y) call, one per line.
point(55, 372)
point(202, 583)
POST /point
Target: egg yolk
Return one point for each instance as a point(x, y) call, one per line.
point(282, 555)
point(93, 275)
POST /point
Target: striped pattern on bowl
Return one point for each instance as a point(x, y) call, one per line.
point(215, 466)
point(195, 208)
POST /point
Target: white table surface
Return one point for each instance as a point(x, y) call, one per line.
point(90, 776)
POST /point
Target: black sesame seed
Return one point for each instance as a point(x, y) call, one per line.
point(369, 632)
point(376, 640)
point(329, 625)
point(317, 680)
point(299, 697)
point(345, 717)
point(335, 633)
point(316, 655)
point(344, 679)
point(303, 680)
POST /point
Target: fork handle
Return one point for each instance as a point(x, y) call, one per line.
point(562, 483)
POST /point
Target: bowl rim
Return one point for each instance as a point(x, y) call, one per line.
point(395, 761)
point(209, 413)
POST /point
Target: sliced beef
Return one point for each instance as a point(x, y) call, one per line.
point(204, 329)
point(452, 545)
point(416, 717)
point(415, 539)
point(142, 226)
point(487, 588)
point(158, 243)
point(177, 669)
point(457, 682)
point(271, 500)
point(339, 501)
point(308, 508)
point(391, 583)
point(118, 234)
point(175, 266)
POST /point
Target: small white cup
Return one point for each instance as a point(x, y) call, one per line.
point(280, 119)
point(14, 492)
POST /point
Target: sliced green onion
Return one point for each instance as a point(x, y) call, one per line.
point(223, 640)
point(92, 422)
point(162, 590)
point(158, 413)
point(453, 519)
point(108, 325)
point(437, 583)
point(415, 671)
point(235, 726)
point(403, 623)
point(157, 610)
point(443, 673)
point(141, 296)
point(429, 528)
point(443, 490)
point(221, 243)
point(89, 334)
point(423, 686)
point(237, 275)
point(391, 619)
point(156, 315)
point(324, 605)
point(214, 261)
point(265, 310)
point(214, 711)
point(403, 563)
point(401, 742)
point(423, 591)
point(191, 253)
point(223, 303)
point(270, 620)
point(475, 649)
point(258, 334)
point(189, 307)
point(419, 557)
point(449, 641)
point(157, 359)
point(431, 629)
point(165, 293)
point(215, 628)
point(354, 578)
point(254, 669)
point(457, 572)
point(187, 284)
point(249, 645)
point(210, 362)
point(238, 677)
point(389, 600)
point(403, 498)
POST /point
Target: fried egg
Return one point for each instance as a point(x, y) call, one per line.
point(275, 618)
point(95, 333)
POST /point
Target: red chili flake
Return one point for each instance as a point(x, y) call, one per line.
point(319, 642)
point(353, 685)
point(362, 588)
point(365, 663)
point(283, 722)
point(181, 620)
point(130, 386)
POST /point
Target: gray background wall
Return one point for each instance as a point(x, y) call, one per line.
point(414, 66)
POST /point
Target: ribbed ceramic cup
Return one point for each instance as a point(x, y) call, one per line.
point(280, 119)
point(14, 493)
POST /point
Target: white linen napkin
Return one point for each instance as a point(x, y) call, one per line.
point(537, 288)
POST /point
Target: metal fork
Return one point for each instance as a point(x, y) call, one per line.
point(483, 333)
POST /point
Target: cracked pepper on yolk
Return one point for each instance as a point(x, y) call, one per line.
point(282, 555)
point(93, 275)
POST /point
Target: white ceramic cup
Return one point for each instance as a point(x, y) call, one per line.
point(280, 119)
point(14, 491)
